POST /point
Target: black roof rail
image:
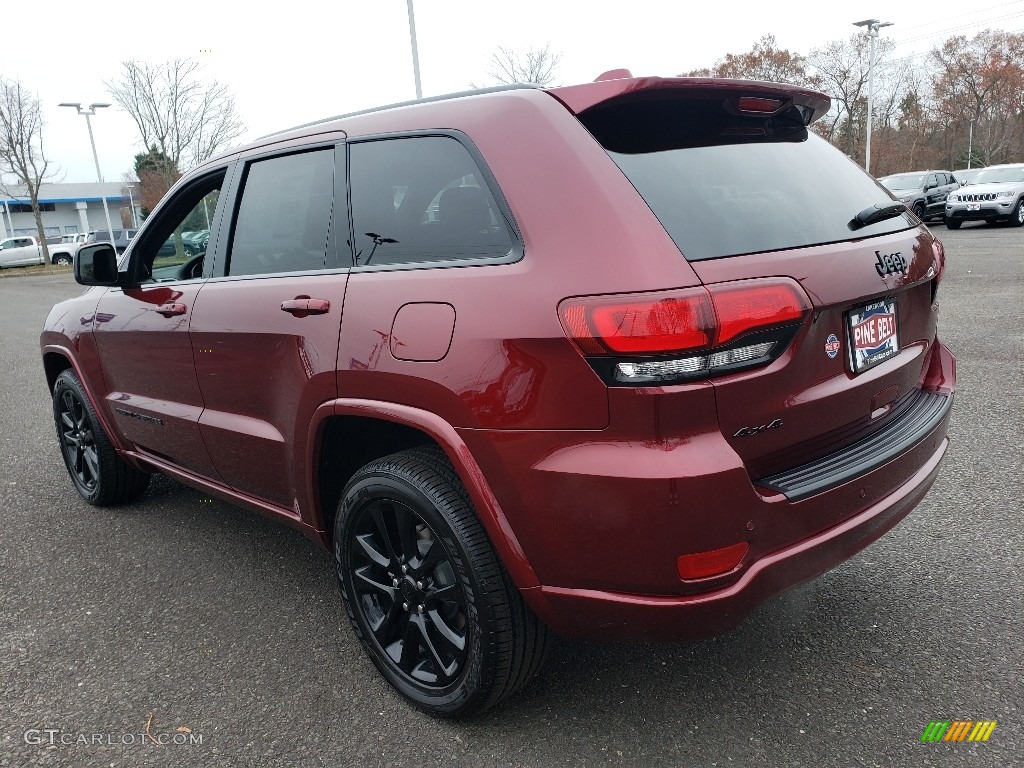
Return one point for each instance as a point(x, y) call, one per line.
point(427, 100)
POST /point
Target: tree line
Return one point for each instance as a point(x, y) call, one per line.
point(960, 104)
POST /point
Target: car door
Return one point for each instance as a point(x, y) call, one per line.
point(142, 338)
point(265, 327)
point(932, 194)
point(19, 251)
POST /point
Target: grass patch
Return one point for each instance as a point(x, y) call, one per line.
point(35, 269)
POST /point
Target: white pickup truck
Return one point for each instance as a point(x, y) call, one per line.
point(63, 253)
point(19, 251)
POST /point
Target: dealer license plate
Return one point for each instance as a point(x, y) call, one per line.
point(974, 206)
point(873, 337)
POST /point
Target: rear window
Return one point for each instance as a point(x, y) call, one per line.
point(724, 184)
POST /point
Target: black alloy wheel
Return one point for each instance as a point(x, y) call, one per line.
point(408, 594)
point(428, 598)
point(78, 442)
point(100, 476)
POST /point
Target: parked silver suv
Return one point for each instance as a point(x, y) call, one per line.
point(995, 194)
point(923, 192)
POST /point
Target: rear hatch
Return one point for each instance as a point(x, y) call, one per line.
point(747, 190)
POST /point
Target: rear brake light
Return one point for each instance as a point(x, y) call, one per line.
point(690, 333)
point(677, 321)
point(758, 104)
point(666, 324)
point(701, 565)
point(742, 307)
point(939, 251)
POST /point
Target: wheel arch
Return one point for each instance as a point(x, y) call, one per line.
point(353, 433)
point(56, 360)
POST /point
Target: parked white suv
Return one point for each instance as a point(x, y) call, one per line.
point(995, 194)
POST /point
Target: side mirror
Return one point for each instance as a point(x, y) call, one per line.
point(96, 265)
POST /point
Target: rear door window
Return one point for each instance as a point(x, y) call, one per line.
point(284, 215)
point(422, 200)
point(725, 185)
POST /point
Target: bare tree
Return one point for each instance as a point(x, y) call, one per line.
point(978, 85)
point(842, 70)
point(183, 117)
point(765, 61)
point(21, 148)
point(537, 65)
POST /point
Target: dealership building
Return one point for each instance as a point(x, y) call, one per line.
point(70, 208)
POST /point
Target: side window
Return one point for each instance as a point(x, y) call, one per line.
point(165, 253)
point(284, 216)
point(932, 180)
point(421, 200)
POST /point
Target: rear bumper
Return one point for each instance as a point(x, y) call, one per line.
point(590, 613)
point(602, 516)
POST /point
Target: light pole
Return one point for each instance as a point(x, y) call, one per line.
point(873, 26)
point(415, 52)
point(970, 144)
point(89, 112)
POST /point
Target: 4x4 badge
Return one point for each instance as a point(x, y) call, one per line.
point(748, 431)
point(890, 263)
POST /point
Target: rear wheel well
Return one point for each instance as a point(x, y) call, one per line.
point(54, 364)
point(349, 443)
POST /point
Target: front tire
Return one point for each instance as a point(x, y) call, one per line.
point(953, 223)
point(428, 598)
point(1017, 217)
point(919, 211)
point(99, 475)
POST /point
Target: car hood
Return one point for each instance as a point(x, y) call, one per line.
point(991, 189)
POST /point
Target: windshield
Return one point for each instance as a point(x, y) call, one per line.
point(723, 185)
point(904, 181)
point(997, 175)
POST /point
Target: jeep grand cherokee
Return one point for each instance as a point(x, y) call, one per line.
point(615, 360)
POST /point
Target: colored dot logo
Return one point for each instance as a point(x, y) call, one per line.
point(832, 346)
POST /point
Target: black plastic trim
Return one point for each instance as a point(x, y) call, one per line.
point(896, 437)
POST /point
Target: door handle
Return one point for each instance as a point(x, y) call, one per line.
point(301, 306)
point(170, 310)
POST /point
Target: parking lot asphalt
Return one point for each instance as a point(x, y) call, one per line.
point(186, 613)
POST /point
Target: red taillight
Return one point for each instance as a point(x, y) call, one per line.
point(666, 325)
point(678, 321)
point(701, 565)
point(940, 259)
point(742, 307)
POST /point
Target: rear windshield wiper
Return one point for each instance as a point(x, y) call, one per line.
point(876, 213)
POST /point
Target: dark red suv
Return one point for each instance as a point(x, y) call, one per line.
point(615, 360)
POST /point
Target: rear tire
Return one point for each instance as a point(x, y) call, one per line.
point(427, 596)
point(99, 475)
point(62, 260)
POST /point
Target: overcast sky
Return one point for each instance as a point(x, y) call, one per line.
point(303, 61)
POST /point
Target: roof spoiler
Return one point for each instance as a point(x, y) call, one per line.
point(618, 85)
